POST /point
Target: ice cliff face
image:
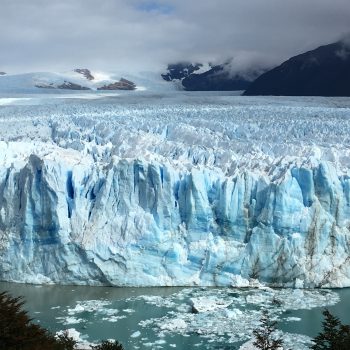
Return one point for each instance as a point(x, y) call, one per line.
point(180, 195)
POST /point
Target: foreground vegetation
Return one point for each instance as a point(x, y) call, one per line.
point(17, 332)
point(265, 335)
point(334, 335)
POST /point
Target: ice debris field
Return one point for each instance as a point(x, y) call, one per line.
point(175, 190)
point(199, 318)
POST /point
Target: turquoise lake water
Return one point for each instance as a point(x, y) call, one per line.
point(163, 318)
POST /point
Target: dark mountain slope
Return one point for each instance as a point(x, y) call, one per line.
point(216, 78)
point(179, 71)
point(324, 71)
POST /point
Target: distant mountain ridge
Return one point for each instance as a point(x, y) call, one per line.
point(197, 77)
point(122, 84)
point(215, 79)
point(324, 71)
point(77, 79)
point(181, 70)
point(66, 85)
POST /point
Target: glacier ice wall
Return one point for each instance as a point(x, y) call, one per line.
point(181, 198)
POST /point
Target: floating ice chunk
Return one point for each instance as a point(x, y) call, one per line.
point(82, 344)
point(129, 311)
point(203, 304)
point(157, 301)
point(292, 319)
point(148, 344)
point(249, 345)
point(176, 324)
point(239, 281)
point(90, 306)
point(234, 314)
point(71, 333)
point(69, 320)
point(113, 318)
point(78, 309)
point(135, 334)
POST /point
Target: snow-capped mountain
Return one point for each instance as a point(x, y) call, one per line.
point(208, 77)
point(78, 79)
point(82, 79)
point(179, 71)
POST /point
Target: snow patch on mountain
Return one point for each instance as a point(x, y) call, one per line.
point(53, 83)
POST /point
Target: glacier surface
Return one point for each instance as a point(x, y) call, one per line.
point(176, 189)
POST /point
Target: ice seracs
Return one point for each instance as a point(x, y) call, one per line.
point(229, 192)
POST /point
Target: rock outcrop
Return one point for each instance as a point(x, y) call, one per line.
point(85, 72)
point(122, 84)
point(179, 71)
point(67, 85)
point(45, 85)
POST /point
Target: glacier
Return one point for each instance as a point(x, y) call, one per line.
point(180, 189)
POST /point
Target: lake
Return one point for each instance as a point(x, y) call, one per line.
point(164, 318)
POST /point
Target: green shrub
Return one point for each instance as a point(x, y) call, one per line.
point(265, 335)
point(335, 336)
point(17, 332)
point(107, 345)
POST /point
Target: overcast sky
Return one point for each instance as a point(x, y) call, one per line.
point(145, 35)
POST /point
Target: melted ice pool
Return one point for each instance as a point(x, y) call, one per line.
point(182, 318)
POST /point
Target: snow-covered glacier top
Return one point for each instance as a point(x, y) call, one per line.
point(175, 188)
point(231, 133)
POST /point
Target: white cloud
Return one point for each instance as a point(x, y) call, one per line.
point(138, 34)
